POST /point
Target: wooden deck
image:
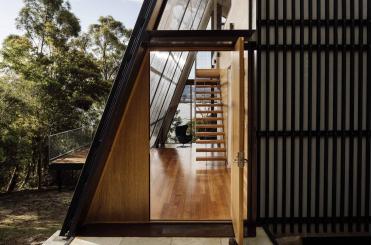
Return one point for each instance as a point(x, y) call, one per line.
point(183, 189)
point(73, 160)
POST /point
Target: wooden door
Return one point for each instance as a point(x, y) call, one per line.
point(237, 147)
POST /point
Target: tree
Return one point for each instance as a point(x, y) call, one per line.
point(18, 124)
point(62, 80)
point(48, 24)
point(52, 79)
point(106, 42)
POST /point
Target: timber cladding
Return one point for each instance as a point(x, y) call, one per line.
point(122, 194)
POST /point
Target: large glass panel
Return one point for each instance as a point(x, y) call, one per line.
point(166, 67)
point(183, 115)
point(173, 14)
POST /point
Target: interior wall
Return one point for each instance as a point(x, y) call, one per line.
point(123, 191)
point(238, 15)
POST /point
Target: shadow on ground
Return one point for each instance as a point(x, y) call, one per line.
point(30, 217)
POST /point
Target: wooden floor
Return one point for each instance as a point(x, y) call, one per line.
point(183, 189)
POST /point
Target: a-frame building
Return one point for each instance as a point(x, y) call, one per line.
point(304, 99)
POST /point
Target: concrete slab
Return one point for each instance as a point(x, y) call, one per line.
point(195, 241)
point(260, 239)
point(55, 239)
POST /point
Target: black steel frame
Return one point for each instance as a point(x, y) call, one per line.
point(196, 40)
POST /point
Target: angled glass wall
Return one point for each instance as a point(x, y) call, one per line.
point(183, 116)
point(166, 67)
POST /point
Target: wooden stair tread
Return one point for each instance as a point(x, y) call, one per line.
point(208, 86)
point(204, 80)
point(209, 118)
point(211, 72)
point(208, 105)
point(208, 98)
point(209, 111)
point(210, 141)
point(208, 92)
point(210, 149)
point(209, 126)
point(216, 158)
point(209, 133)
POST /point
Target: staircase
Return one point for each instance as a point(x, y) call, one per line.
point(209, 127)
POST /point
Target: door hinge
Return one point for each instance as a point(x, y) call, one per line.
point(240, 160)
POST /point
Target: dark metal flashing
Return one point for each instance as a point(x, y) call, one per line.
point(159, 229)
point(66, 166)
point(172, 35)
point(109, 123)
point(196, 40)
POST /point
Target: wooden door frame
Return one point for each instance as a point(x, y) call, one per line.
point(251, 149)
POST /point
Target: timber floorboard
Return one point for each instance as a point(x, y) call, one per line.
point(183, 189)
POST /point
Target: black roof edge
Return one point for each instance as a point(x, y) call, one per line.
point(110, 120)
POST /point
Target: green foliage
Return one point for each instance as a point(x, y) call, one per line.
point(52, 78)
point(19, 126)
point(48, 23)
point(106, 42)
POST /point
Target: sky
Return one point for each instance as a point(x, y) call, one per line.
point(87, 11)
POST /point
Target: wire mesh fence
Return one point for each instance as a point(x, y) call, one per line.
point(66, 142)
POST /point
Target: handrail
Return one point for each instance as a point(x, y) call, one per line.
point(63, 143)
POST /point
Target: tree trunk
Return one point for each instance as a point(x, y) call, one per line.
point(39, 173)
point(13, 180)
point(28, 174)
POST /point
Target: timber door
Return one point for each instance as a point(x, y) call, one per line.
point(237, 144)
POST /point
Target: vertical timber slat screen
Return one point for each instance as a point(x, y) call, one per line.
point(313, 106)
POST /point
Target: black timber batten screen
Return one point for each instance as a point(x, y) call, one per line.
point(110, 120)
point(313, 112)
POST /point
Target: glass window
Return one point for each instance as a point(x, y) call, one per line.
point(166, 67)
point(183, 115)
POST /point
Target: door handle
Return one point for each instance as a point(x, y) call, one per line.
point(240, 160)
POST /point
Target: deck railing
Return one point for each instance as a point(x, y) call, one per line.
point(63, 143)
